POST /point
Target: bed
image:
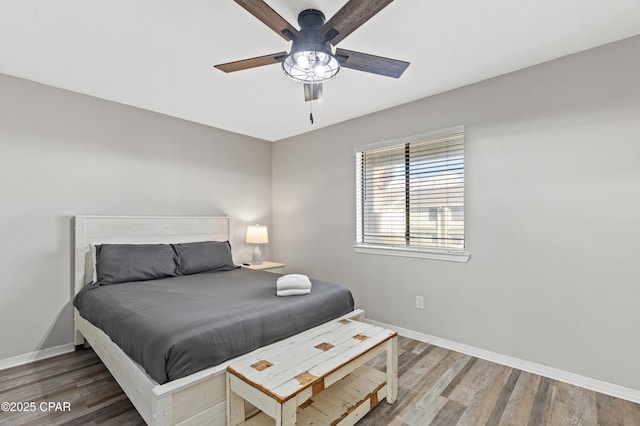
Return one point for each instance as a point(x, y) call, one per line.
point(186, 397)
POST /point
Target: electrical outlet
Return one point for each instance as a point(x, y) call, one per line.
point(419, 302)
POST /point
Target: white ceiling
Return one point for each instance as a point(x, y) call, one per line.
point(159, 54)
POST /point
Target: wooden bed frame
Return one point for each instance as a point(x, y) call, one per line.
point(196, 399)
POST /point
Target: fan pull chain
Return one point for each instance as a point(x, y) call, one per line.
point(311, 111)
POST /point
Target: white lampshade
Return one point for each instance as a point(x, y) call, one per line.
point(257, 234)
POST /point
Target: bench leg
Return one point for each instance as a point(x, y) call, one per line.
point(286, 413)
point(392, 370)
point(235, 407)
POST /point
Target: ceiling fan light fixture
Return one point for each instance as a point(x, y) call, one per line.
point(311, 66)
point(313, 58)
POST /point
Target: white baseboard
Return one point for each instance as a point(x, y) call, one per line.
point(35, 356)
point(542, 370)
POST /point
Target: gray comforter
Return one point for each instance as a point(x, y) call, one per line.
point(177, 326)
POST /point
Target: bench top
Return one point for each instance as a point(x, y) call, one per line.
point(286, 368)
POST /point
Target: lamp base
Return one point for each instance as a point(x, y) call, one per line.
point(257, 256)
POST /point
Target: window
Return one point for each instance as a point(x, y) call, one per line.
point(410, 196)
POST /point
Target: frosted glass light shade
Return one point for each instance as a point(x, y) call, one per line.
point(311, 66)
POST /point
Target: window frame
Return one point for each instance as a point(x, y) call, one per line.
point(435, 253)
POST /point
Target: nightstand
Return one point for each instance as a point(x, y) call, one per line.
point(275, 267)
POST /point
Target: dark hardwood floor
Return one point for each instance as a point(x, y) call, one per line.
point(79, 378)
point(436, 386)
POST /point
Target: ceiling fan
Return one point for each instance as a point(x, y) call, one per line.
point(313, 59)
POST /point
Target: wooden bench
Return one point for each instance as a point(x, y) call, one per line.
point(317, 377)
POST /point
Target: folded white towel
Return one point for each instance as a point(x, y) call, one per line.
point(293, 282)
point(294, 292)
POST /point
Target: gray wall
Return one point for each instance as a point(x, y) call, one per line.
point(552, 201)
point(63, 154)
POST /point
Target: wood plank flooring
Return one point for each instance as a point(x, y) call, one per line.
point(436, 387)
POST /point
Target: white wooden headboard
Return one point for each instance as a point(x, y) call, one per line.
point(92, 230)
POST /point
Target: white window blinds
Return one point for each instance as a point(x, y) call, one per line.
point(411, 194)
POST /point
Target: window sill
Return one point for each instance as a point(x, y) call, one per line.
point(446, 255)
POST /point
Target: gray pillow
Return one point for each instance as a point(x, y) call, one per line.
point(118, 263)
point(205, 256)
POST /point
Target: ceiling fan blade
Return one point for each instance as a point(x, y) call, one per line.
point(371, 63)
point(253, 62)
point(312, 91)
point(270, 18)
point(350, 17)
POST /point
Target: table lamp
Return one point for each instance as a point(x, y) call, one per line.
point(257, 234)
